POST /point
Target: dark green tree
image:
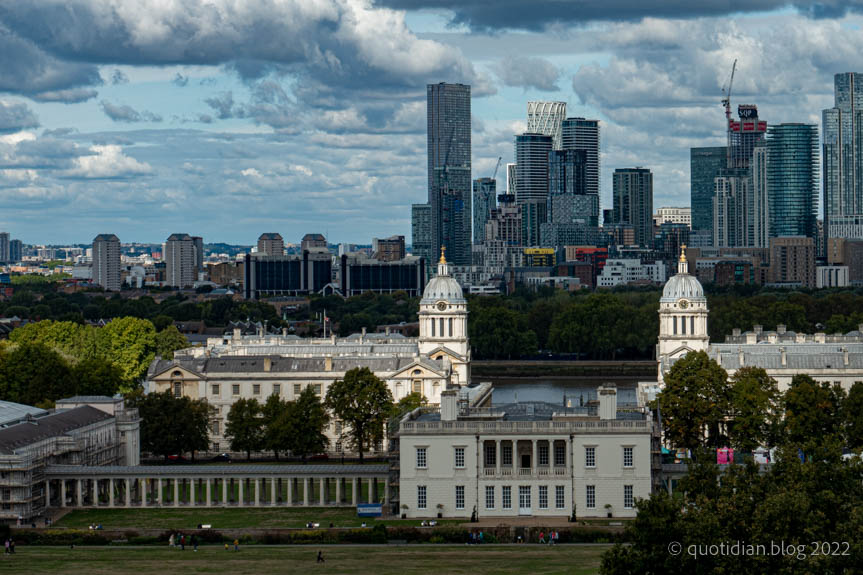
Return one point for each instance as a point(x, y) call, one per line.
point(34, 374)
point(130, 343)
point(695, 402)
point(362, 401)
point(308, 418)
point(245, 426)
point(96, 376)
point(500, 333)
point(172, 425)
point(277, 425)
point(852, 410)
point(755, 409)
point(812, 413)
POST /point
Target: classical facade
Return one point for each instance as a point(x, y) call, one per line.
point(525, 459)
point(256, 366)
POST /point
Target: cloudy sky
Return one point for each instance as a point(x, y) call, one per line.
point(228, 118)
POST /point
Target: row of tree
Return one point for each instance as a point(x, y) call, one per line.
point(702, 408)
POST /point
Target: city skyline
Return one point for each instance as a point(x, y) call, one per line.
point(198, 124)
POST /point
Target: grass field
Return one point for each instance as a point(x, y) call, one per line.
point(380, 560)
point(219, 518)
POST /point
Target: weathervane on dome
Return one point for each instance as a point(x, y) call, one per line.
point(442, 256)
point(682, 267)
point(683, 253)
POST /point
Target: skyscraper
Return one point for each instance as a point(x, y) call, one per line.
point(4, 247)
point(421, 233)
point(271, 244)
point(704, 165)
point(511, 171)
point(572, 213)
point(547, 118)
point(531, 158)
point(180, 260)
point(743, 135)
point(792, 179)
point(583, 134)
point(199, 255)
point(449, 170)
point(484, 194)
point(16, 251)
point(633, 202)
point(843, 158)
point(759, 205)
point(106, 262)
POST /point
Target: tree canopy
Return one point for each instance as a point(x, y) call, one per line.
point(245, 426)
point(363, 402)
point(172, 425)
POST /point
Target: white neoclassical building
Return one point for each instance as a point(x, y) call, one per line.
point(256, 366)
point(682, 318)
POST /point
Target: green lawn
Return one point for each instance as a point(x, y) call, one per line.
point(219, 518)
point(254, 560)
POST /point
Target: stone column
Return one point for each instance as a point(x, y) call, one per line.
point(192, 492)
point(533, 462)
point(306, 484)
point(339, 491)
point(241, 498)
point(47, 493)
point(176, 492)
point(224, 492)
point(289, 499)
point(159, 491)
point(209, 493)
point(498, 454)
point(387, 493)
point(80, 492)
point(323, 493)
point(62, 493)
point(257, 492)
point(355, 491)
point(143, 488)
point(128, 493)
point(110, 492)
point(273, 499)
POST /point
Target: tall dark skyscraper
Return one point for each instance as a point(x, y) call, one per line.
point(583, 134)
point(633, 202)
point(792, 179)
point(531, 158)
point(572, 213)
point(704, 165)
point(843, 158)
point(449, 170)
point(484, 194)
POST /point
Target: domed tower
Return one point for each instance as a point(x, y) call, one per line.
point(443, 322)
point(682, 318)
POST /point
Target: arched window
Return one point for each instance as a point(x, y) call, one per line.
point(683, 325)
point(674, 323)
point(440, 325)
point(433, 324)
point(450, 327)
point(178, 389)
point(417, 372)
point(692, 324)
point(177, 374)
point(417, 386)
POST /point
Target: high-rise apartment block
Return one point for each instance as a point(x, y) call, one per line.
point(106, 262)
point(484, 194)
point(4, 247)
point(583, 134)
point(743, 135)
point(668, 215)
point(792, 180)
point(503, 234)
point(572, 214)
point(199, 255)
point(180, 260)
point(843, 158)
point(511, 175)
point(389, 249)
point(16, 251)
point(421, 231)
point(792, 261)
point(271, 244)
point(633, 202)
point(547, 118)
point(704, 165)
point(531, 158)
point(449, 170)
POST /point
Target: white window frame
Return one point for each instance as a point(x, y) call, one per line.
point(560, 454)
point(459, 496)
point(628, 499)
point(542, 454)
point(277, 389)
point(543, 496)
point(506, 497)
point(214, 389)
point(459, 457)
point(590, 456)
point(490, 455)
point(422, 497)
point(489, 496)
point(559, 496)
point(590, 496)
point(235, 389)
point(506, 454)
point(422, 457)
point(628, 456)
point(256, 389)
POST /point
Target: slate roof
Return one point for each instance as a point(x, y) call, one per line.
point(282, 364)
point(11, 412)
point(803, 356)
point(54, 425)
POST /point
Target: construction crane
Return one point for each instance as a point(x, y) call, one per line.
point(726, 91)
point(497, 167)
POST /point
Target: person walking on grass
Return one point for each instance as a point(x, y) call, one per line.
point(542, 536)
point(7, 547)
point(195, 543)
point(320, 556)
point(236, 544)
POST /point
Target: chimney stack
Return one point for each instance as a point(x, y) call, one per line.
point(607, 401)
point(449, 405)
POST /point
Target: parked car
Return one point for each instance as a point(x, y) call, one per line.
point(177, 459)
point(319, 457)
point(226, 457)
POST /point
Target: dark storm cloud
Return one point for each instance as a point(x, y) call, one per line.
point(16, 116)
point(537, 14)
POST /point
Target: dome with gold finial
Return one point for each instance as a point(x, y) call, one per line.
point(442, 287)
point(682, 285)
